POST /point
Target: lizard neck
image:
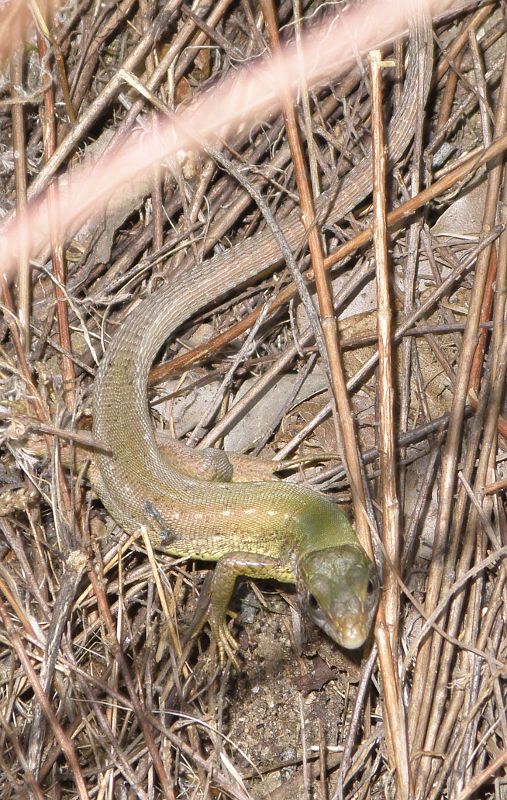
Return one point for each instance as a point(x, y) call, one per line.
point(321, 525)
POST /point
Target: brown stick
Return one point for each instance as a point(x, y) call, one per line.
point(386, 628)
point(343, 419)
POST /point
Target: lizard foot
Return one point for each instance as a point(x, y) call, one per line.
point(227, 644)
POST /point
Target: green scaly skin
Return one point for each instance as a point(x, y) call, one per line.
point(259, 529)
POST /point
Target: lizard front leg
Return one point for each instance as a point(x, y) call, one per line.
point(227, 570)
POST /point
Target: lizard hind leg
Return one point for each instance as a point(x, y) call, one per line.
point(211, 464)
point(205, 465)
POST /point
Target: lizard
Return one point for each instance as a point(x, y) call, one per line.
point(258, 529)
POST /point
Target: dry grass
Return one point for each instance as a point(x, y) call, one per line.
point(100, 692)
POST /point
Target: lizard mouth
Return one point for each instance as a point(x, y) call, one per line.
point(349, 631)
point(352, 633)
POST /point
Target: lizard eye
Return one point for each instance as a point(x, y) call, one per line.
point(372, 586)
point(312, 602)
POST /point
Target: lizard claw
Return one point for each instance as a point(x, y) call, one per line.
point(227, 644)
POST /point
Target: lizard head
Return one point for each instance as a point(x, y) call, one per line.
point(339, 589)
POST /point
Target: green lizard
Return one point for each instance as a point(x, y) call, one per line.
point(258, 529)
